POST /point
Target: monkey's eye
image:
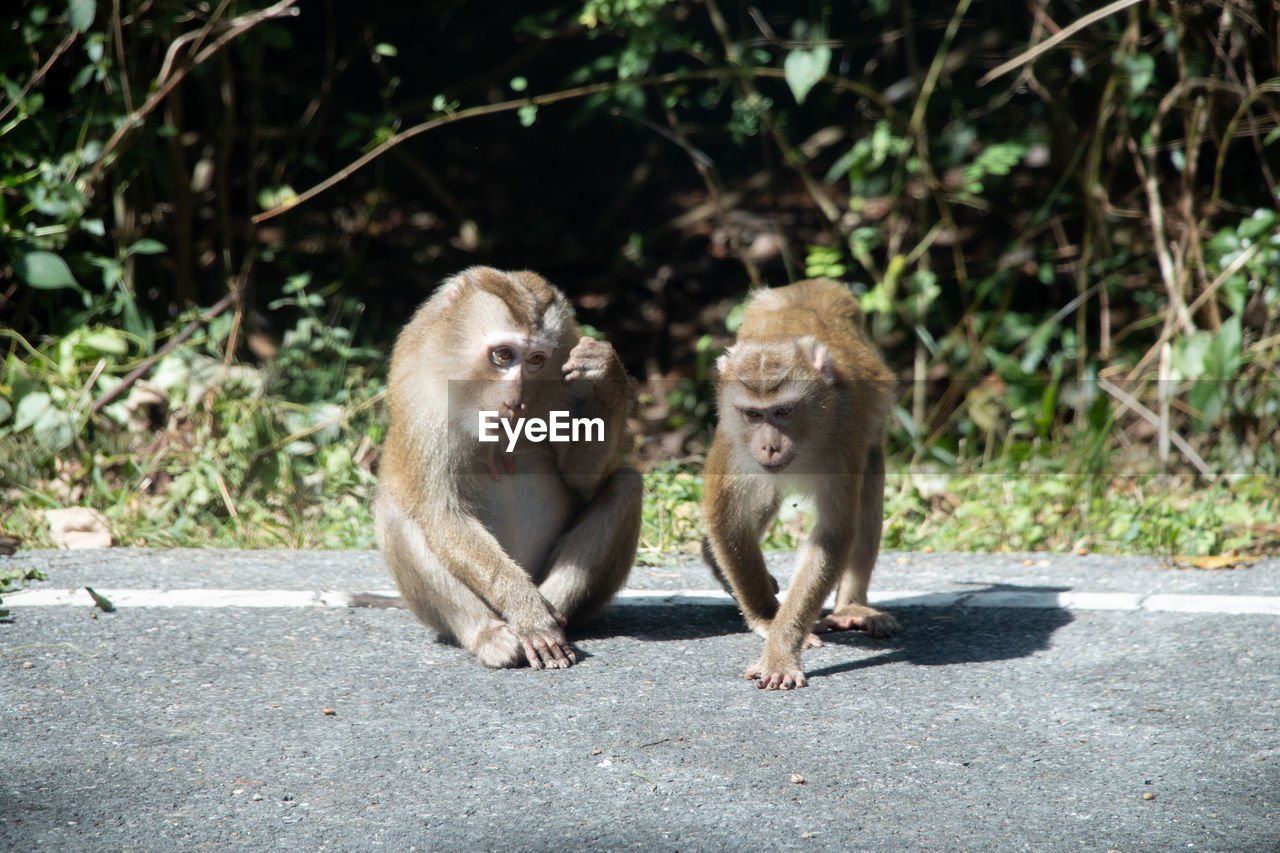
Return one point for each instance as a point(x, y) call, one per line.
point(783, 411)
point(502, 356)
point(536, 359)
point(753, 416)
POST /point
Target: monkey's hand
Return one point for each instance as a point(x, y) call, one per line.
point(542, 639)
point(777, 672)
point(593, 361)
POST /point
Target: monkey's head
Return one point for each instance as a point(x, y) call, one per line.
point(505, 335)
point(773, 395)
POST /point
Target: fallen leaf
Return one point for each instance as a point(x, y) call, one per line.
point(797, 778)
point(78, 527)
point(329, 712)
point(1213, 563)
point(100, 600)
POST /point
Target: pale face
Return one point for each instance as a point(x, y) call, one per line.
point(765, 428)
point(770, 395)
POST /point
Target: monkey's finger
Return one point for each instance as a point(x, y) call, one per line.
point(547, 651)
point(564, 657)
point(531, 653)
point(811, 641)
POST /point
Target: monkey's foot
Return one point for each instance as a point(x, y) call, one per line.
point(497, 646)
point(772, 677)
point(858, 617)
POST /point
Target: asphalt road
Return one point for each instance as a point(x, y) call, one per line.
point(1029, 703)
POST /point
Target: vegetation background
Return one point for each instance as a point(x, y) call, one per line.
point(1061, 216)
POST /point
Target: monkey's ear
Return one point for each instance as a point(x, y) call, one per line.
point(815, 352)
point(723, 361)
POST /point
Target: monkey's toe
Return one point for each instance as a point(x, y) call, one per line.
point(857, 617)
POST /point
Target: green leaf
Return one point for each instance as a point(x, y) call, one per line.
point(1188, 357)
point(31, 408)
point(528, 114)
point(147, 246)
point(804, 68)
point(105, 342)
point(45, 271)
point(100, 600)
point(5, 410)
point(1141, 69)
point(384, 49)
point(1262, 221)
point(519, 84)
point(1225, 352)
point(80, 14)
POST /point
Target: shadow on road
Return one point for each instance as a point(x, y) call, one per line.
point(930, 635)
point(938, 636)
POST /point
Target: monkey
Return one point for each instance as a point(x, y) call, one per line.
point(499, 544)
point(802, 400)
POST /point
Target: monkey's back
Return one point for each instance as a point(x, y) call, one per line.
point(820, 307)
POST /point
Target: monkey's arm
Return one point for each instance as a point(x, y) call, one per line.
point(732, 506)
point(472, 555)
point(818, 569)
point(596, 387)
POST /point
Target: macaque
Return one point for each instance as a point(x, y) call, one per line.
point(498, 536)
point(802, 401)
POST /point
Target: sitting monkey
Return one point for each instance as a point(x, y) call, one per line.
point(496, 537)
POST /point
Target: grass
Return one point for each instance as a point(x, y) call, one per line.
point(1005, 509)
point(206, 454)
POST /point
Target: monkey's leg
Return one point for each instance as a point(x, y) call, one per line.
point(434, 595)
point(851, 611)
point(591, 561)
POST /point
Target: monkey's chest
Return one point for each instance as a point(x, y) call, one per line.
point(526, 510)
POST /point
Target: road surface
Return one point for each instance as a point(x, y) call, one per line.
point(273, 700)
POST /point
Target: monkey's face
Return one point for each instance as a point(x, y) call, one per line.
point(514, 366)
point(770, 395)
point(765, 429)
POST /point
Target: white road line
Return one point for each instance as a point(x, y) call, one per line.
point(1267, 605)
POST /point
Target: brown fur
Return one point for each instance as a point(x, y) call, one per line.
point(501, 562)
point(803, 401)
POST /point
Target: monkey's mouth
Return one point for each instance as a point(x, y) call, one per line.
point(774, 467)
